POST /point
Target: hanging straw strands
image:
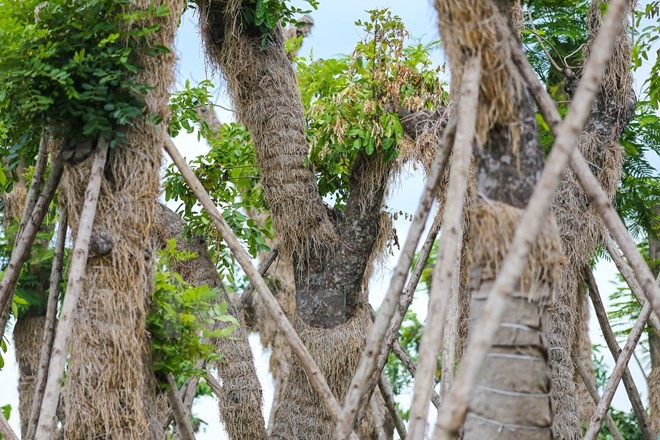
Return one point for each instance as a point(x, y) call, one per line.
point(46, 420)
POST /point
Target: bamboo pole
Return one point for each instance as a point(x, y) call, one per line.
point(51, 321)
point(452, 414)
point(46, 420)
point(613, 345)
point(448, 249)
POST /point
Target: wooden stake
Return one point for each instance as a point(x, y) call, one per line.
point(591, 388)
point(182, 420)
point(390, 403)
point(51, 322)
point(448, 249)
point(46, 420)
point(308, 364)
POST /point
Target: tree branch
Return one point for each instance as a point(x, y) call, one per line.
point(46, 420)
point(390, 403)
point(180, 416)
point(5, 429)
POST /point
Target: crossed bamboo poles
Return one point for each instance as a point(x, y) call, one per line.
point(452, 413)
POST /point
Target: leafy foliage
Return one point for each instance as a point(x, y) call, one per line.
point(227, 171)
point(352, 103)
point(182, 316)
point(70, 66)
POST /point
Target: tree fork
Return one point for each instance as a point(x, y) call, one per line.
point(368, 361)
point(46, 420)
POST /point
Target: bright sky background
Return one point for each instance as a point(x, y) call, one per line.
point(334, 33)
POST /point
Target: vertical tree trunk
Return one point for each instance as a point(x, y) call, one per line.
point(110, 389)
point(511, 399)
point(581, 352)
point(579, 224)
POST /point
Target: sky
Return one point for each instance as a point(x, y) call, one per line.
point(334, 33)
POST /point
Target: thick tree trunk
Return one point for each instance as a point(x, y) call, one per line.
point(240, 401)
point(579, 224)
point(511, 399)
point(116, 397)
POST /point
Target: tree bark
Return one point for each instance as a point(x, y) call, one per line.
point(654, 337)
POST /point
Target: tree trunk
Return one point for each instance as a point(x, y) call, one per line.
point(511, 399)
point(579, 224)
point(330, 257)
point(240, 402)
point(581, 352)
point(115, 398)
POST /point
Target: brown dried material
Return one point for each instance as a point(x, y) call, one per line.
point(28, 335)
point(266, 98)
point(114, 397)
point(337, 362)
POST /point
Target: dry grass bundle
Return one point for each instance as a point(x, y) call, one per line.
point(336, 351)
point(111, 398)
point(474, 27)
point(28, 337)
point(491, 228)
point(266, 98)
point(14, 203)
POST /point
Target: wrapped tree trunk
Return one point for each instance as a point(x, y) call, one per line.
point(579, 224)
point(110, 389)
point(512, 398)
point(240, 402)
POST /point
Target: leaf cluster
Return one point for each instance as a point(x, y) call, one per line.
point(71, 66)
point(353, 102)
point(182, 317)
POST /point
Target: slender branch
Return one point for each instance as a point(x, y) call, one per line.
point(452, 415)
point(619, 369)
point(51, 321)
point(25, 239)
point(629, 276)
point(5, 429)
point(592, 188)
point(448, 249)
point(613, 345)
point(46, 420)
point(390, 403)
point(180, 416)
point(213, 384)
point(591, 388)
point(545, 51)
point(246, 298)
point(316, 378)
point(368, 362)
